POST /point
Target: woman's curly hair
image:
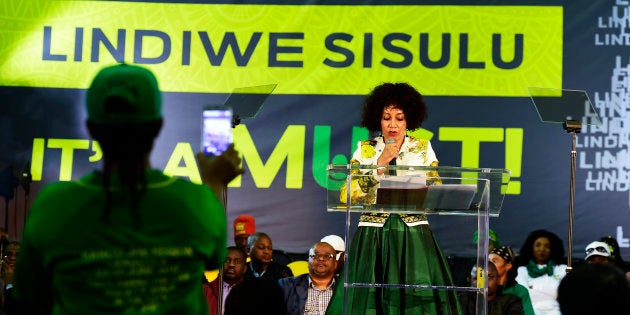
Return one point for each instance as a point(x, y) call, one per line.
point(403, 96)
point(557, 249)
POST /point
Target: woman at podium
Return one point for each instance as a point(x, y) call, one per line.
point(391, 248)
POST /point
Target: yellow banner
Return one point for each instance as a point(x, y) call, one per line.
point(305, 49)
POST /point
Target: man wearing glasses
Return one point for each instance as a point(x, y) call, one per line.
point(310, 293)
point(340, 248)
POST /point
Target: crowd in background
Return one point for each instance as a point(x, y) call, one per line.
point(255, 282)
point(533, 281)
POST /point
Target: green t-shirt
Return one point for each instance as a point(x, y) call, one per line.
point(73, 262)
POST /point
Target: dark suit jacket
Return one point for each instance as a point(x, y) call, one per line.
point(503, 304)
point(211, 291)
point(274, 271)
point(295, 291)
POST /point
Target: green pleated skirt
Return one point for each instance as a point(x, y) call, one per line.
point(395, 254)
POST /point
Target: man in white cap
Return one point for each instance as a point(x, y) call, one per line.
point(340, 248)
point(598, 253)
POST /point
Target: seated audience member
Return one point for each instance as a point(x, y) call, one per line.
point(498, 303)
point(259, 296)
point(340, 248)
point(244, 226)
point(233, 271)
point(503, 258)
point(493, 240)
point(594, 289)
point(459, 265)
point(615, 254)
point(261, 265)
point(598, 253)
point(310, 293)
point(542, 255)
point(9, 258)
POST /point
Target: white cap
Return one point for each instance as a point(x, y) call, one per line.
point(597, 249)
point(336, 242)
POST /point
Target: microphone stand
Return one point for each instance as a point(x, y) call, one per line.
point(235, 121)
point(15, 209)
point(393, 163)
point(220, 275)
point(26, 178)
point(574, 127)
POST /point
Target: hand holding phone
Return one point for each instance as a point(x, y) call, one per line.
point(217, 172)
point(216, 130)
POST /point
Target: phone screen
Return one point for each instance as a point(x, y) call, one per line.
point(217, 130)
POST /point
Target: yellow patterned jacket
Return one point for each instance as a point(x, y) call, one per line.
point(414, 152)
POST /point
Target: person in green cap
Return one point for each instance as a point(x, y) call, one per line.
point(493, 240)
point(126, 239)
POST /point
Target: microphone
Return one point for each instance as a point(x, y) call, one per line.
point(393, 161)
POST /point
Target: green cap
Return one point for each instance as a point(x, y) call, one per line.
point(123, 94)
point(492, 238)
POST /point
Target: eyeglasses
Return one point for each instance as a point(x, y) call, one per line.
point(599, 249)
point(322, 257)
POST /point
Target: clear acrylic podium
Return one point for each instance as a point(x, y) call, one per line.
point(443, 191)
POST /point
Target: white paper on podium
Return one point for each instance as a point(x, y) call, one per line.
point(402, 192)
point(403, 182)
point(450, 196)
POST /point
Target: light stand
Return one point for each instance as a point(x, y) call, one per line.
point(245, 102)
point(235, 121)
point(572, 108)
point(220, 305)
point(574, 127)
point(25, 181)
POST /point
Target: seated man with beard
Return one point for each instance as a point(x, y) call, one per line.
point(234, 269)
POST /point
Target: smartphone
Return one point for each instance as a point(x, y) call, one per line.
point(216, 129)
